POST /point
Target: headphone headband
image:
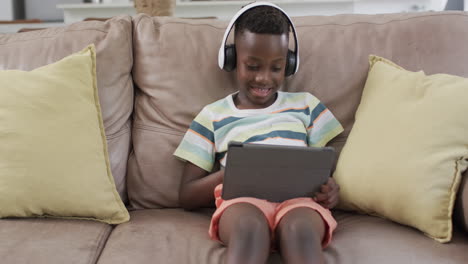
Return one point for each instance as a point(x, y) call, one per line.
point(221, 54)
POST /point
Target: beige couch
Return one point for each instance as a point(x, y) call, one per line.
point(155, 74)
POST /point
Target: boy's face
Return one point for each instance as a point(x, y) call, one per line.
point(261, 61)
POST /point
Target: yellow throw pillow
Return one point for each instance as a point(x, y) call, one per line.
point(408, 147)
point(53, 151)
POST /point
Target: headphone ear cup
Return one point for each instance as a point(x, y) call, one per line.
point(230, 58)
point(290, 63)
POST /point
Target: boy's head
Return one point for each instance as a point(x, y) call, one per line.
point(261, 44)
point(263, 20)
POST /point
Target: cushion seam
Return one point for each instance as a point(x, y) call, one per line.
point(101, 238)
point(159, 129)
point(129, 38)
point(119, 133)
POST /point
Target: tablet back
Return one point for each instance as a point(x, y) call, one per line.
point(275, 173)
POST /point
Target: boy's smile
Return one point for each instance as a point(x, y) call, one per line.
point(261, 61)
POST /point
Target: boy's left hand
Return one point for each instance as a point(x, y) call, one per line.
point(329, 194)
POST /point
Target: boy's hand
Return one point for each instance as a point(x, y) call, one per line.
point(221, 174)
point(329, 194)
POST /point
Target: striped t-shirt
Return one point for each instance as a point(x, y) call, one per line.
point(297, 119)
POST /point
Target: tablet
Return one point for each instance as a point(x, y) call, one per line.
point(275, 173)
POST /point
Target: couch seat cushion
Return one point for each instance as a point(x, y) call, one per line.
point(169, 236)
point(176, 236)
point(368, 239)
point(162, 236)
point(50, 241)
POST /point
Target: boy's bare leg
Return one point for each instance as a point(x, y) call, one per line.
point(245, 230)
point(299, 236)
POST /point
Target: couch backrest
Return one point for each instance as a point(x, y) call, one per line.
point(27, 51)
point(176, 72)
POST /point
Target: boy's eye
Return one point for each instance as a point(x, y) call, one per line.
point(277, 69)
point(252, 67)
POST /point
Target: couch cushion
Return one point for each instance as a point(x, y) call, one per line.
point(162, 236)
point(30, 50)
point(177, 236)
point(176, 71)
point(171, 67)
point(367, 239)
point(170, 236)
point(51, 241)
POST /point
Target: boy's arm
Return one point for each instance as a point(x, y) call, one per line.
point(322, 128)
point(197, 186)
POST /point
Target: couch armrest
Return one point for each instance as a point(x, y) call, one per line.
point(461, 204)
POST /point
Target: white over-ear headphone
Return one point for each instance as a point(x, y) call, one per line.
point(227, 54)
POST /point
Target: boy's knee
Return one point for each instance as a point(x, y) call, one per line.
point(249, 221)
point(252, 222)
point(301, 228)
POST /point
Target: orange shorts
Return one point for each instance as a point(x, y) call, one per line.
point(272, 211)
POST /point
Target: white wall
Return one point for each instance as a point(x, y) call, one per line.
point(46, 9)
point(394, 6)
point(6, 10)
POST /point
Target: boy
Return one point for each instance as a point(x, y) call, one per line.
point(259, 113)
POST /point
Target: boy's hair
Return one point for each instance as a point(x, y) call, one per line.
point(263, 20)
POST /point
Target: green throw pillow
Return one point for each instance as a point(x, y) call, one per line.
point(53, 154)
point(407, 149)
